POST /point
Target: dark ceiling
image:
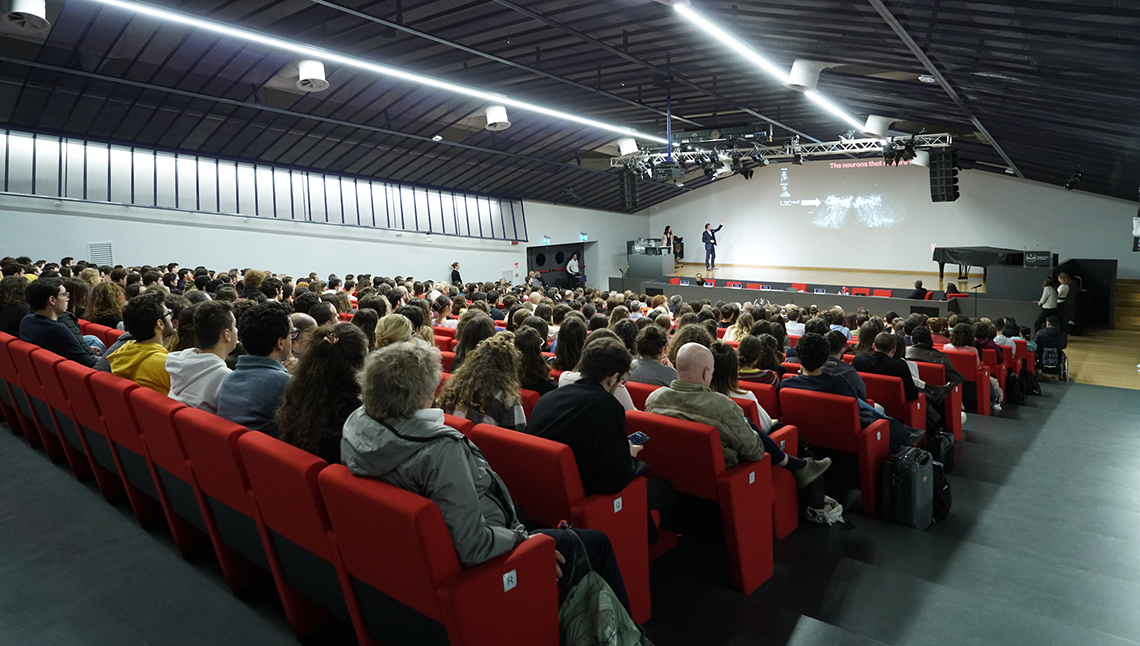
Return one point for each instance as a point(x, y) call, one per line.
point(1054, 85)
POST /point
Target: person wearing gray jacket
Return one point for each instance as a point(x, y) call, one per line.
point(397, 437)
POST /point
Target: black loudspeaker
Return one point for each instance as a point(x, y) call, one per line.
point(943, 175)
point(628, 188)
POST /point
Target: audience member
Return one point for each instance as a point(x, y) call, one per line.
point(568, 349)
point(919, 292)
point(143, 358)
point(197, 373)
point(572, 376)
point(485, 389)
point(13, 307)
point(393, 328)
point(754, 352)
point(474, 327)
point(835, 365)
point(690, 398)
point(324, 391)
point(252, 394)
point(47, 298)
point(587, 417)
point(534, 372)
point(651, 366)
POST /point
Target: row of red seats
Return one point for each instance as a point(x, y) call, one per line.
point(335, 545)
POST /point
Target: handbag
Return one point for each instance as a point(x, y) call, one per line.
point(591, 614)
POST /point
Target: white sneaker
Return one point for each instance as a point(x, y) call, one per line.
point(996, 407)
point(963, 417)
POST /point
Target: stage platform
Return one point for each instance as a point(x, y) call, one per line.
point(878, 278)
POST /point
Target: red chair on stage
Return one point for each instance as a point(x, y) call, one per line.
point(799, 287)
point(958, 295)
point(832, 422)
point(753, 285)
point(674, 281)
point(929, 296)
point(883, 293)
point(861, 291)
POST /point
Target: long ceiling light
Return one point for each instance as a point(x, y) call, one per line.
point(309, 51)
point(756, 59)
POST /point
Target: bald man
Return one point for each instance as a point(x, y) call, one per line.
point(690, 398)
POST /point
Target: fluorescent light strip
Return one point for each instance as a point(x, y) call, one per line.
point(348, 61)
point(756, 59)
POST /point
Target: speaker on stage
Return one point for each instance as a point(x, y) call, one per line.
point(943, 175)
point(629, 189)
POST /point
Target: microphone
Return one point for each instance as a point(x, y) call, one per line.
point(976, 286)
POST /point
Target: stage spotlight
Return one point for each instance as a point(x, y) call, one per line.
point(747, 173)
point(1074, 179)
point(798, 159)
point(758, 158)
point(907, 153)
point(848, 135)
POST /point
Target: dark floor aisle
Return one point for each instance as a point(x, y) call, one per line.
point(1042, 548)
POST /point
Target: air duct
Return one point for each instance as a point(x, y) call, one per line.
point(804, 76)
point(312, 76)
point(26, 17)
point(877, 126)
point(497, 118)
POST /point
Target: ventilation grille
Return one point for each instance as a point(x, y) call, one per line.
point(100, 253)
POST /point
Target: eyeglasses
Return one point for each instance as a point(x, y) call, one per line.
point(294, 333)
point(63, 295)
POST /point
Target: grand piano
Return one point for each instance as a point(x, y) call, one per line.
point(966, 257)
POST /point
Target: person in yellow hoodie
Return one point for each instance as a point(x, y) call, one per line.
point(143, 359)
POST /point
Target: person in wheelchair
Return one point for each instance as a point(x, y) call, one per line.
point(1051, 342)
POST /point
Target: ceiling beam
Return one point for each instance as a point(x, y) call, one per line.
point(901, 32)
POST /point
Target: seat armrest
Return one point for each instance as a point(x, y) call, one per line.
point(478, 610)
point(874, 447)
point(622, 517)
point(788, 440)
point(745, 493)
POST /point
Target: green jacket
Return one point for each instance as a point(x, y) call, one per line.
point(696, 403)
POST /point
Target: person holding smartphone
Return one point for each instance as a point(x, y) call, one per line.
point(587, 417)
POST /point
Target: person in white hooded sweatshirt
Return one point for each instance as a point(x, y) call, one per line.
point(196, 374)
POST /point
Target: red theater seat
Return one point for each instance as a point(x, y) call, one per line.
point(122, 432)
point(63, 418)
point(929, 296)
point(177, 490)
point(890, 393)
point(958, 295)
point(639, 392)
point(458, 423)
point(967, 363)
point(543, 479)
point(35, 406)
point(799, 287)
point(832, 422)
point(752, 285)
point(446, 357)
point(528, 398)
point(402, 579)
point(934, 373)
point(443, 342)
point(794, 339)
point(674, 281)
point(440, 330)
point(690, 456)
point(766, 396)
point(785, 491)
point(224, 494)
point(75, 380)
point(295, 531)
point(347, 318)
point(861, 291)
point(998, 369)
point(884, 293)
point(1028, 362)
point(8, 377)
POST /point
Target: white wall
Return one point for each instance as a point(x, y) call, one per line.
point(993, 210)
point(45, 228)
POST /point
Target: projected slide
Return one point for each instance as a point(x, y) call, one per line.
point(839, 201)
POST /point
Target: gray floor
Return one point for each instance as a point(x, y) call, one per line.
point(1041, 548)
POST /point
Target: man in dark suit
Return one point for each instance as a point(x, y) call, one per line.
point(919, 292)
point(587, 417)
point(709, 238)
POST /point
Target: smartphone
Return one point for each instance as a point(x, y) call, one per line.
point(638, 438)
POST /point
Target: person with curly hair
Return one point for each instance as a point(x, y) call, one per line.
point(534, 372)
point(324, 391)
point(485, 389)
point(475, 326)
point(105, 305)
point(740, 328)
point(688, 334)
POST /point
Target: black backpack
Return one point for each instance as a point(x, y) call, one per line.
point(942, 498)
point(1032, 386)
point(1014, 390)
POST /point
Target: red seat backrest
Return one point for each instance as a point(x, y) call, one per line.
point(459, 423)
point(45, 364)
point(794, 339)
point(766, 396)
point(446, 357)
point(751, 410)
point(932, 373)
point(752, 285)
point(440, 330)
point(929, 296)
point(792, 368)
point(75, 379)
point(541, 474)
point(639, 392)
point(720, 332)
point(674, 281)
point(443, 342)
point(861, 291)
point(989, 357)
point(799, 287)
point(886, 293)
point(284, 482)
point(711, 282)
point(155, 414)
point(958, 295)
point(347, 318)
point(211, 444)
point(7, 367)
point(454, 342)
point(21, 354)
point(825, 420)
point(689, 452)
point(368, 515)
point(111, 335)
point(965, 362)
point(888, 391)
point(529, 398)
point(112, 393)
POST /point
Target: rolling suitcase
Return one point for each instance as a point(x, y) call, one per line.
point(941, 447)
point(908, 488)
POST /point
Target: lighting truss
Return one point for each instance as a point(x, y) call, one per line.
point(787, 151)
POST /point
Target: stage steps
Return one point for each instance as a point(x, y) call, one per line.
point(1128, 305)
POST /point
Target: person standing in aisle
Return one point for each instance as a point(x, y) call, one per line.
point(709, 238)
